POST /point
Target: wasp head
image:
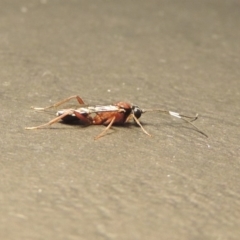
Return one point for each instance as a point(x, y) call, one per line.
point(137, 112)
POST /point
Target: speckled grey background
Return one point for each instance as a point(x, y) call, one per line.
point(59, 183)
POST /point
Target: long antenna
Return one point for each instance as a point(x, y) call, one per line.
point(178, 115)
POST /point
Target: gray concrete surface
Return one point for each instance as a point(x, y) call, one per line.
point(59, 183)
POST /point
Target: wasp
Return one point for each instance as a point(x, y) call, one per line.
point(108, 115)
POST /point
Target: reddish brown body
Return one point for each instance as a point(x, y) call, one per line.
point(118, 113)
point(121, 117)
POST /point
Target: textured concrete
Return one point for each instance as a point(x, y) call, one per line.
point(59, 183)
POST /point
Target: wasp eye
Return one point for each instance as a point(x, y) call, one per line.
point(136, 111)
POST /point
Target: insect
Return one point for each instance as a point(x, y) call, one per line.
point(108, 115)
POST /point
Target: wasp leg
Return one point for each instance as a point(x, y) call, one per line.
point(129, 118)
point(105, 130)
point(52, 121)
point(137, 121)
point(80, 101)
